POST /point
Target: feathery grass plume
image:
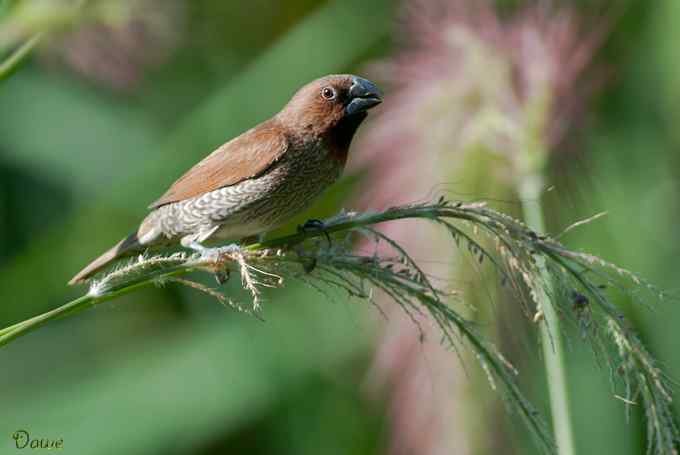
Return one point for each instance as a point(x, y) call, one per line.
point(309, 257)
point(475, 82)
point(110, 42)
point(23, 20)
point(499, 91)
point(118, 51)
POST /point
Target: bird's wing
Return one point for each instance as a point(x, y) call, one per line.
point(244, 157)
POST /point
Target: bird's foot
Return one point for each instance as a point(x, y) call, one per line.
point(215, 254)
point(314, 225)
point(195, 246)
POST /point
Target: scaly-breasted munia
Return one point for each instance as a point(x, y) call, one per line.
point(259, 180)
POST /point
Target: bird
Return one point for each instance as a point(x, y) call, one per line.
point(259, 180)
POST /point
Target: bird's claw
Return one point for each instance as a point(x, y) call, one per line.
point(315, 225)
point(216, 254)
point(312, 225)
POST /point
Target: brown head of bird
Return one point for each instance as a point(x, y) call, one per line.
point(331, 108)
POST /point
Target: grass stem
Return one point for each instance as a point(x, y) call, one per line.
point(11, 63)
point(551, 338)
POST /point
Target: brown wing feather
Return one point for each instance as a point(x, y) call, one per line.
point(244, 157)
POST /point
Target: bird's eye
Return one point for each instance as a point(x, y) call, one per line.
point(328, 93)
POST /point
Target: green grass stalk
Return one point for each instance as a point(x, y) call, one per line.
point(11, 63)
point(551, 338)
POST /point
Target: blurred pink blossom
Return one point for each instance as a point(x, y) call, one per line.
point(116, 50)
point(464, 79)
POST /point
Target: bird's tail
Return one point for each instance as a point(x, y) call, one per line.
point(126, 247)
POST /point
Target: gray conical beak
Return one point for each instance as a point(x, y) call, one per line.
point(363, 95)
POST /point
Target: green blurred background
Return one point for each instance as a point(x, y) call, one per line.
point(171, 371)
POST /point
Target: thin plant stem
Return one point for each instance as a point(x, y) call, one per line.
point(551, 339)
point(338, 224)
point(74, 306)
point(88, 300)
point(11, 63)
